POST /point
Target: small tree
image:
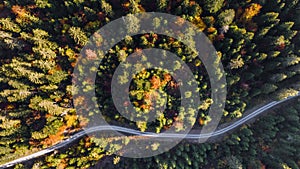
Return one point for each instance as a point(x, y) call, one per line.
point(236, 63)
point(78, 35)
point(162, 4)
point(107, 8)
point(213, 6)
point(226, 17)
point(250, 12)
point(268, 88)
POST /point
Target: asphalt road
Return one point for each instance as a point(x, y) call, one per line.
point(147, 134)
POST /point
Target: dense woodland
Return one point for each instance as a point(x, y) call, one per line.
point(257, 41)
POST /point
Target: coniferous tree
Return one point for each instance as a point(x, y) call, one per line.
point(213, 6)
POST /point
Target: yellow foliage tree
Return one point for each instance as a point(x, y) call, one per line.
point(250, 12)
point(199, 22)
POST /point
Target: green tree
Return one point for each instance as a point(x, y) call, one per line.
point(78, 35)
point(213, 6)
point(278, 77)
point(226, 17)
point(162, 4)
point(268, 88)
point(285, 93)
point(107, 8)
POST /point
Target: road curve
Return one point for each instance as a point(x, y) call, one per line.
point(147, 134)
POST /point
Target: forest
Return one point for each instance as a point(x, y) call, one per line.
point(41, 42)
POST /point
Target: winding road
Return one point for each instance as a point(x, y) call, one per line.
point(147, 134)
